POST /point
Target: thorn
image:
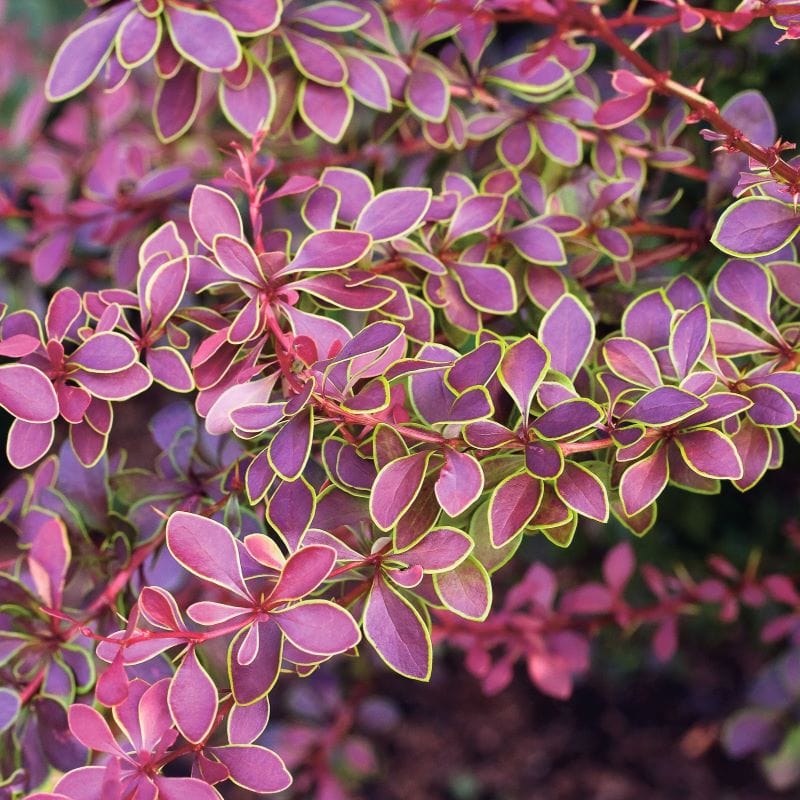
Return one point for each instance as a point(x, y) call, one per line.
point(642, 38)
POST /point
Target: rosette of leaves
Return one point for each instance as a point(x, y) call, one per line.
point(38, 648)
point(70, 370)
point(767, 727)
point(148, 743)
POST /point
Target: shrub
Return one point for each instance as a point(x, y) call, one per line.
point(428, 284)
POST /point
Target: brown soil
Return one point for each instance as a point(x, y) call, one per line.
point(652, 737)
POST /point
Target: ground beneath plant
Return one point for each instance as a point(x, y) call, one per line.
point(649, 736)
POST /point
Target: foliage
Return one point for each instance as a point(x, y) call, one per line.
point(425, 279)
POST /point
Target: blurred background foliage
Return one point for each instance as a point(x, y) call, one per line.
point(635, 728)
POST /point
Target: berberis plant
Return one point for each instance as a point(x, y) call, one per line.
point(428, 284)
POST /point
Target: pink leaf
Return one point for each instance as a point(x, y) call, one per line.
point(193, 699)
point(396, 631)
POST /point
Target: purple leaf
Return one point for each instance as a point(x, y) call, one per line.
point(203, 38)
point(787, 382)
point(163, 292)
point(212, 212)
point(331, 15)
point(517, 145)
point(19, 345)
point(684, 293)
point(520, 75)
point(487, 435)
point(27, 393)
point(159, 607)
point(731, 339)
point(749, 730)
point(465, 590)
point(487, 287)
point(648, 319)
point(115, 385)
point(710, 453)
point(394, 213)
point(560, 141)
point(427, 94)
point(475, 214)
point(247, 723)
point(9, 708)
point(327, 110)
point(665, 405)
point(290, 447)
point(177, 103)
point(303, 572)
point(91, 730)
point(544, 285)
point(265, 551)
point(786, 275)
point(543, 460)
point(112, 687)
point(512, 506)
point(583, 491)
point(319, 627)
point(316, 59)
point(643, 481)
point(354, 188)
point(328, 250)
point(207, 549)
point(688, 339)
point(321, 208)
point(771, 407)
point(105, 352)
point(615, 243)
point(621, 110)
point(28, 441)
point(139, 37)
point(632, 361)
point(521, 371)
point(460, 482)
point(567, 331)
point(291, 509)
point(237, 258)
point(82, 55)
point(193, 699)
point(439, 550)
point(755, 226)
point(476, 367)
point(253, 767)
point(249, 108)
point(396, 631)
point(170, 788)
point(396, 487)
point(250, 19)
point(251, 682)
point(619, 566)
point(169, 369)
point(63, 311)
point(48, 560)
point(407, 577)
point(754, 446)
point(745, 287)
point(537, 243)
point(367, 81)
point(84, 783)
point(207, 612)
point(246, 324)
point(567, 419)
